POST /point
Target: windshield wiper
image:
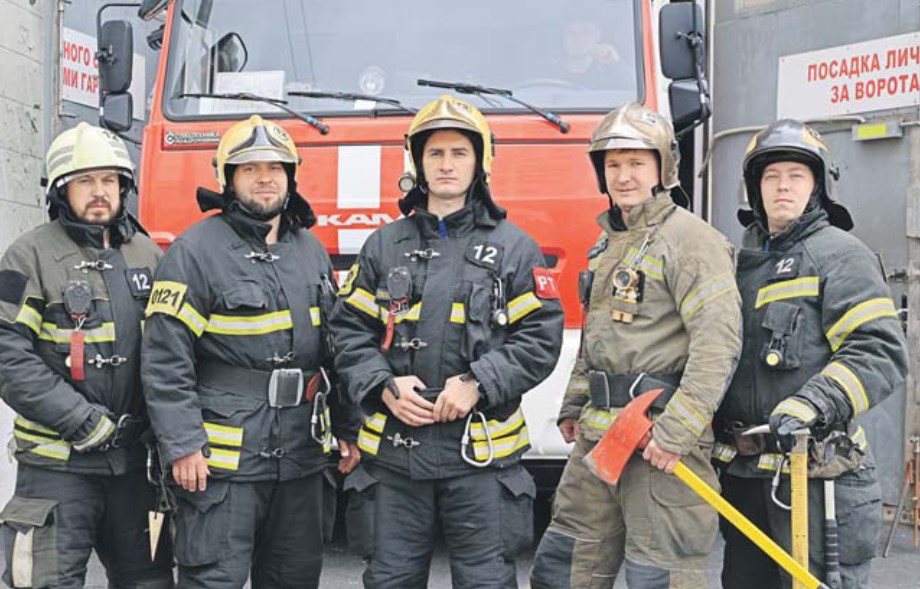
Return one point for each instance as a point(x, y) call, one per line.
point(282, 104)
point(463, 88)
point(353, 96)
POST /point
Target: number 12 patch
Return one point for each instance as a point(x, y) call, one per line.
point(544, 284)
point(140, 280)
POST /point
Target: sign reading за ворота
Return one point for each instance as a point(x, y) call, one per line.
point(875, 75)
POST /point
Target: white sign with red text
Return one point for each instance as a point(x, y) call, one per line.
point(880, 74)
point(80, 72)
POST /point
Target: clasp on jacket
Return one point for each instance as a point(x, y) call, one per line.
point(267, 257)
point(98, 265)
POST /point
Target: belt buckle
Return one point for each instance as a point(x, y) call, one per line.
point(285, 388)
point(635, 383)
point(593, 376)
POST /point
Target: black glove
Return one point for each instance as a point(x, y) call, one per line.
point(793, 413)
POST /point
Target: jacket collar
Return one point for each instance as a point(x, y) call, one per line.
point(755, 237)
point(459, 223)
point(121, 230)
point(648, 214)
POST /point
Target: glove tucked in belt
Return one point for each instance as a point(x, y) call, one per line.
point(617, 390)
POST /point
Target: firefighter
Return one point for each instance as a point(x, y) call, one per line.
point(661, 311)
point(237, 350)
point(72, 297)
point(447, 318)
point(822, 345)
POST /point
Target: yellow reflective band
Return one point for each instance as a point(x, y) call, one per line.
point(579, 384)
point(502, 447)
point(523, 306)
point(192, 319)
point(223, 435)
point(858, 315)
point(104, 428)
point(598, 418)
point(851, 385)
point(57, 449)
point(652, 267)
point(807, 286)
point(723, 452)
point(315, 318)
point(53, 333)
point(35, 427)
point(225, 459)
point(497, 428)
point(166, 297)
point(458, 313)
point(364, 301)
point(771, 462)
point(859, 438)
point(30, 318)
point(414, 313)
point(350, 280)
point(375, 422)
point(686, 414)
point(251, 324)
point(796, 408)
point(707, 291)
point(368, 442)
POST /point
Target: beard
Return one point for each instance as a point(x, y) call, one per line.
point(263, 211)
point(92, 214)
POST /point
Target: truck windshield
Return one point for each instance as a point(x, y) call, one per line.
point(564, 55)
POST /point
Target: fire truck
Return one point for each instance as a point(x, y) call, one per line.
point(344, 78)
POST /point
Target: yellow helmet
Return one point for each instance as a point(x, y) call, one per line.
point(447, 112)
point(632, 126)
point(85, 148)
point(254, 140)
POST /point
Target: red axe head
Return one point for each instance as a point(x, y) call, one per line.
point(627, 434)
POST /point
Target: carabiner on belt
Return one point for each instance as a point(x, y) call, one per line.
point(465, 441)
point(320, 429)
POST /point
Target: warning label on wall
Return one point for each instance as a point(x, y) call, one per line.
point(875, 75)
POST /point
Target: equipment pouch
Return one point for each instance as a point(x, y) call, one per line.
point(28, 538)
point(285, 388)
point(781, 350)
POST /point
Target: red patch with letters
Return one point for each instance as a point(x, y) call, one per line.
point(545, 284)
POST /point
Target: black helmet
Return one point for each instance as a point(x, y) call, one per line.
point(790, 140)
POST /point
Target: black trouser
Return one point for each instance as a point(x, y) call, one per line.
point(486, 518)
point(56, 519)
point(271, 530)
point(859, 519)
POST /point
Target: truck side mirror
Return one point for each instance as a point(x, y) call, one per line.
point(231, 53)
point(117, 112)
point(686, 106)
point(116, 56)
point(682, 46)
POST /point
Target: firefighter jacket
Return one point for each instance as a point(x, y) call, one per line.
point(230, 320)
point(57, 411)
point(446, 328)
point(818, 322)
point(685, 328)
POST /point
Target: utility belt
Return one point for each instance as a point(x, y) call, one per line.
point(129, 430)
point(281, 387)
point(746, 445)
point(617, 390)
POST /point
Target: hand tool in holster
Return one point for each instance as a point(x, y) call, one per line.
point(166, 502)
point(631, 432)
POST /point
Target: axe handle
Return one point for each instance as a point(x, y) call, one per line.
point(747, 528)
